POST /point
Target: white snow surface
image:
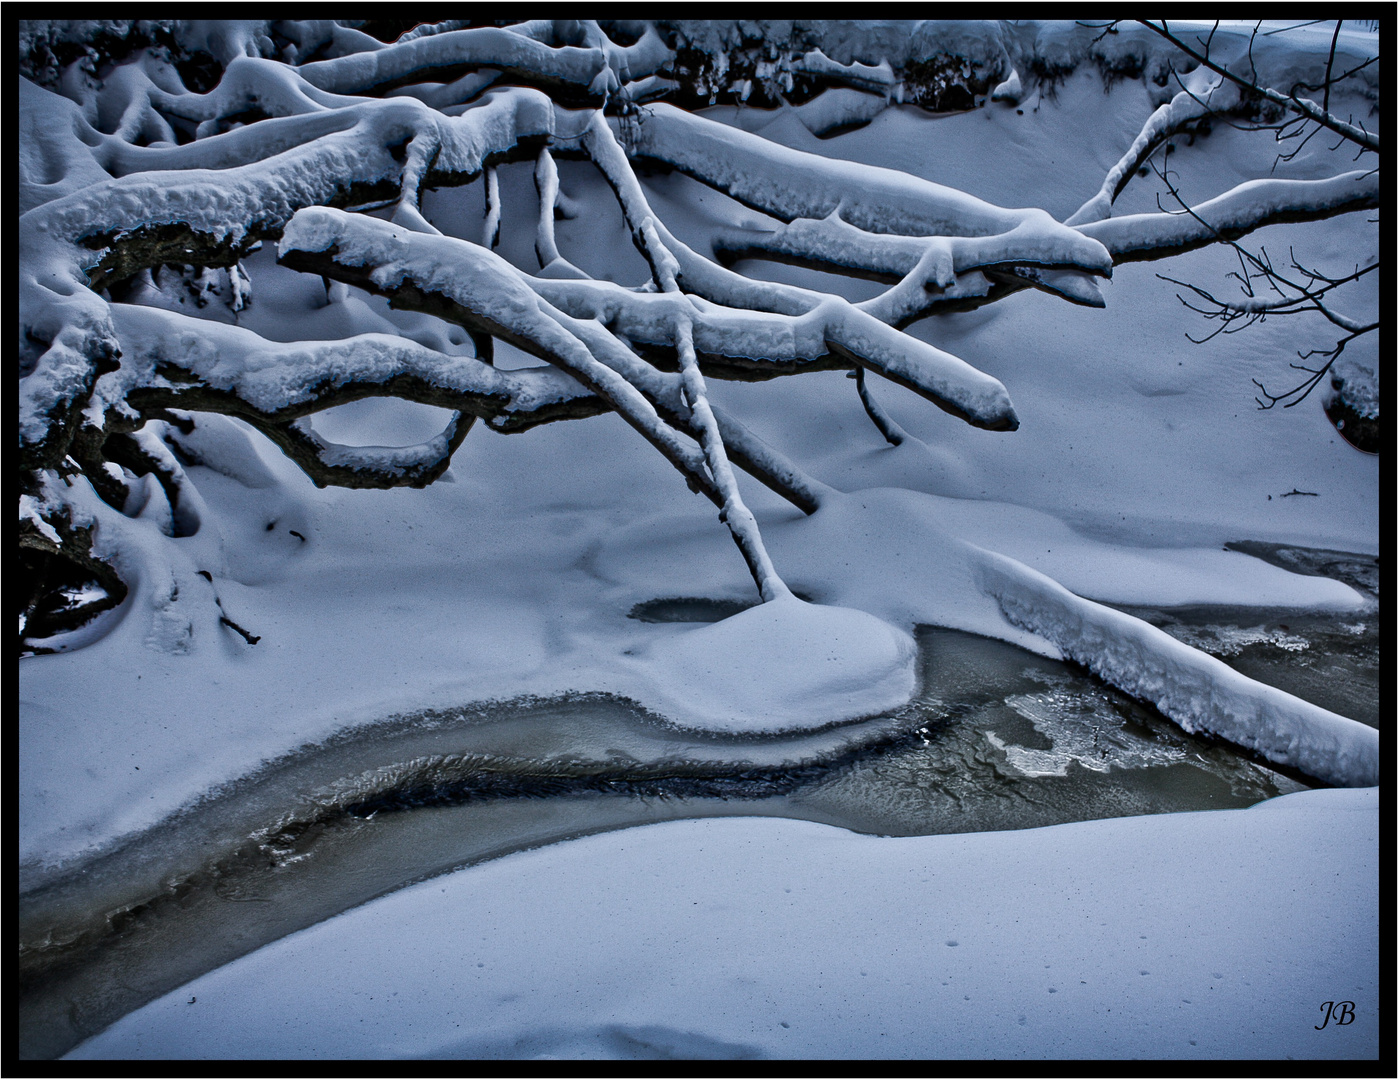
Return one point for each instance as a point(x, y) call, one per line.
point(1176, 936)
point(781, 665)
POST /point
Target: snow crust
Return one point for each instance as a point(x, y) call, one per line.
point(1177, 936)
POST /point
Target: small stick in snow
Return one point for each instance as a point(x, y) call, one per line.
point(888, 427)
point(251, 639)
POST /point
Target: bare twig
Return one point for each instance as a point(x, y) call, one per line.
point(1293, 296)
point(1306, 108)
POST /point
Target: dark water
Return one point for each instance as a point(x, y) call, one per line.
point(997, 738)
point(1330, 660)
point(1013, 741)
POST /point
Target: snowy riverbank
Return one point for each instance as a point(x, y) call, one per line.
point(1173, 936)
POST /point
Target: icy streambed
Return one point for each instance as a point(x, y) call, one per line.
point(996, 738)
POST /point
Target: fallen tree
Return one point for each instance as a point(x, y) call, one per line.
point(178, 149)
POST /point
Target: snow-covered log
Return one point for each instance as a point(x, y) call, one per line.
point(1197, 691)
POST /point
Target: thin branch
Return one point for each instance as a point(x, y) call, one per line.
point(1330, 64)
point(1233, 316)
point(251, 639)
point(734, 512)
point(888, 427)
point(1306, 108)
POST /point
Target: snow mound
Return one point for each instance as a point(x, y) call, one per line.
point(780, 666)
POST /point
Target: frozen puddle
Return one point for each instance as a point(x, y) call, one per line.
point(1093, 739)
point(996, 738)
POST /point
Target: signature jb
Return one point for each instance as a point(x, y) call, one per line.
point(1342, 1012)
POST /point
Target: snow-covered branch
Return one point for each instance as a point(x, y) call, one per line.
point(735, 513)
point(533, 315)
point(929, 273)
point(586, 73)
point(325, 141)
point(1198, 99)
point(477, 289)
point(1235, 213)
point(789, 184)
point(848, 331)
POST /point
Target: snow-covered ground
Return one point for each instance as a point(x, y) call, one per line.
point(752, 937)
point(1139, 455)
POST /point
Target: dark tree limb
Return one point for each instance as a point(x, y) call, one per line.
point(888, 427)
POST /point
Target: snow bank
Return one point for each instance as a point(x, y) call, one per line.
point(839, 108)
point(782, 665)
point(1201, 935)
point(922, 56)
point(53, 159)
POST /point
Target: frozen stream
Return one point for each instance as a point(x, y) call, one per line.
point(996, 738)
